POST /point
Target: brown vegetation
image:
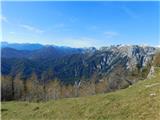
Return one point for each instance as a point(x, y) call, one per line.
point(36, 90)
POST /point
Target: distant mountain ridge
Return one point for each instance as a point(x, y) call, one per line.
point(36, 51)
point(31, 46)
point(120, 65)
point(21, 46)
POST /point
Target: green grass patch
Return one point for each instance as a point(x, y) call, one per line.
point(140, 101)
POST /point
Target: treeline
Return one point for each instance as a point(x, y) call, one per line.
point(157, 59)
point(32, 89)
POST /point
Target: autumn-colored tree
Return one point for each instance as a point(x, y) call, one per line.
point(53, 89)
point(93, 81)
point(34, 89)
point(46, 76)
point(76, 88)
point(18, 88)
point(157, 59)
point(67, 91)
point(6, 88)
point(101, 86)
point(87, 88)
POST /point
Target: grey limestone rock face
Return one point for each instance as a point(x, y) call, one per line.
point(119, 63)
point(134, 55)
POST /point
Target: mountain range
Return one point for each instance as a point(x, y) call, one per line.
point(119, 65)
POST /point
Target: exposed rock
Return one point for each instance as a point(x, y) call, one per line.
point(153, 94)
point(151, 73)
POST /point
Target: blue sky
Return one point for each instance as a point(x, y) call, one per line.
point(81, 24)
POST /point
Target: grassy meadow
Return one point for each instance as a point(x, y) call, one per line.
point(140, 101)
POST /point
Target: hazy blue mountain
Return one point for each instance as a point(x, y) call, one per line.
point(7, 52)
point(36, 51)
point(21, 46)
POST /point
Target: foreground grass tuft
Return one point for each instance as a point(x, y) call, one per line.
point(138, 102)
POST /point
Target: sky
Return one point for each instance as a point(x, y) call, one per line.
point(81, 24)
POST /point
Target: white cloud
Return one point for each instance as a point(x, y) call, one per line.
point(12, 32)
point(4, 19)
point(77, 42)
point(110, 34)
point(31, 28)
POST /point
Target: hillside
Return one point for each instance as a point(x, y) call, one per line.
point(138, 102)
point(72, 64)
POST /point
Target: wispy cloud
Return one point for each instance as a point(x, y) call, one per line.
point(3, 19)
point(130, 12)
point(31, 28)
point(60, 25)
point(110, 34)
point(93, 27)
point(12, 33)
point(76, 42)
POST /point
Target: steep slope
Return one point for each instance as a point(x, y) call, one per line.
point(70, 65)
point(138, 102)
point(13, 53)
